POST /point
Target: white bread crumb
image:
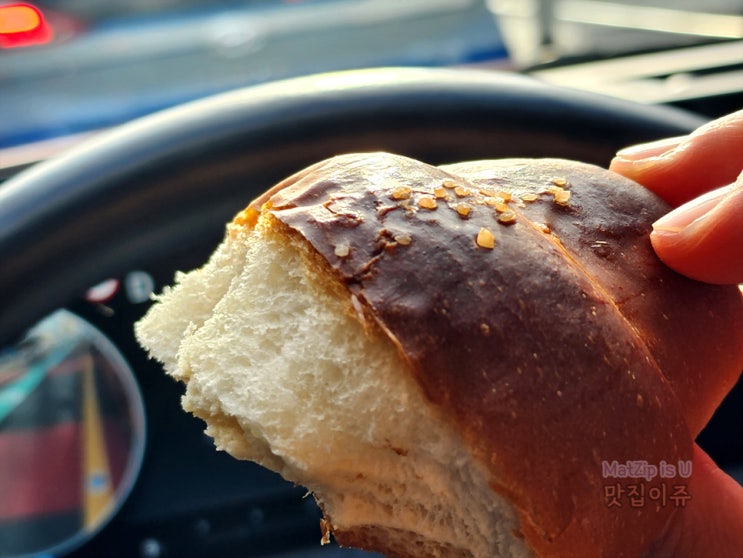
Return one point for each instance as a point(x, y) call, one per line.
point(285, 374)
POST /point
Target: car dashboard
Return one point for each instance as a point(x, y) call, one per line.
point(145, 480)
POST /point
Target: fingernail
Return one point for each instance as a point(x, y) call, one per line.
point(691, 212)
point(651, 149)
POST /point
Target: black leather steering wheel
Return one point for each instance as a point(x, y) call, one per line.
point(168, 182)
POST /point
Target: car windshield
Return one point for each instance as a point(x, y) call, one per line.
point(73, 66)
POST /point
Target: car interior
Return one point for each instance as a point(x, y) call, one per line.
point(131, 132)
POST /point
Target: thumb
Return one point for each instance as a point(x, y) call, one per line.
point(703, 239)
point(711, 523)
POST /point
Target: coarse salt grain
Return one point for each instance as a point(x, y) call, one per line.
point(427, 202)
point(562, 197)
point(505, 194)
point(463, 209)
point(507, 218)
point(403, 239)
point(485, 239)
point(462, 192)
point(400, 193)
point(342, 250)
point(440, 192)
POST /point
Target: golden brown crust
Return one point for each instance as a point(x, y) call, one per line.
point(634, 279)
point(537, 340)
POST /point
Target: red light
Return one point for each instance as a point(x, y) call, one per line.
point(22, 25)
point(17, 19)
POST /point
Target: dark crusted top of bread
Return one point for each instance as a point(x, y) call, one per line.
point(526, 299)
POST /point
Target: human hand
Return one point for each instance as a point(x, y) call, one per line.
point(700, 175)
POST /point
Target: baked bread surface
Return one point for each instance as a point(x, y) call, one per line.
point(448, 356)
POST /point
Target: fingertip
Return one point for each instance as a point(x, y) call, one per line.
point(682, 168)
point(704, 239)
point(642, 151)
point(661, 175)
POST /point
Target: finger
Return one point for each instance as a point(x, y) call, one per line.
point(703, 239)
point(679, 169)
point(711, 523)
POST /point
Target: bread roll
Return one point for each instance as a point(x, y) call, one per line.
point(449, 357)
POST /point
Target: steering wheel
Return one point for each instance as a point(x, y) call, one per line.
point(155, 193)
point(137, 194)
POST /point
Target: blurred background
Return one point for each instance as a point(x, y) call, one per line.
point(72, 66)
point(96, 456)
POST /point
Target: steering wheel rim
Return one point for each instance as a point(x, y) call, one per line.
point(168, 181)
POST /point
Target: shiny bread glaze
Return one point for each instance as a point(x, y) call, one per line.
point(526, 300)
